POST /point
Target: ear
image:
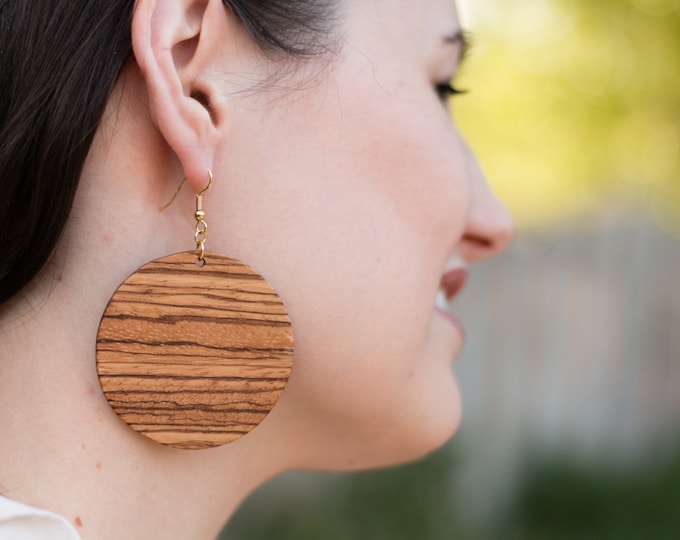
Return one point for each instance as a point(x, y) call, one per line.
point(174, 44)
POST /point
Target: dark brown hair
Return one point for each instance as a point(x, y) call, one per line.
point(59, 61)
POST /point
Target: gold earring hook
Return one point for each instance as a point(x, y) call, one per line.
point(201, 234)
point(206, 188)
point(181, 185)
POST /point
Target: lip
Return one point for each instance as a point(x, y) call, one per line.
point(453, 281)
point(452, 320)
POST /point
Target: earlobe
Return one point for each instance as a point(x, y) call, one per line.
point(169, 44)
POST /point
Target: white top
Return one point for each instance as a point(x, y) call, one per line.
point(21, 522)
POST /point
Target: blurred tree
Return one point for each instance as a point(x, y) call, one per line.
point(575, 103)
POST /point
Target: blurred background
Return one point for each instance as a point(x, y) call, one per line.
point(571, 373)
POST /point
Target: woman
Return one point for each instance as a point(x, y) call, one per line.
point(338, 175)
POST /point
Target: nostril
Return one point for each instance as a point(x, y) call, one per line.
point(480, 241)
point(484, 240)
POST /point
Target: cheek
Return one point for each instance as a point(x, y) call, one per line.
point(353, 228)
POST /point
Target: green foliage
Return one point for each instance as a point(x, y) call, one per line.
point(558, 500)
point(575, 103)
point(564, 500)
point(404, 503)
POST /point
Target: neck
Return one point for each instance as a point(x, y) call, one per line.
point(65, 450)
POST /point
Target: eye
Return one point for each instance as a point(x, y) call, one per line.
point(446, 90)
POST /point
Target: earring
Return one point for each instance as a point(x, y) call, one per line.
point(195, 348)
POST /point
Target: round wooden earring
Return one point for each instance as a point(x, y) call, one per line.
point(194, 356)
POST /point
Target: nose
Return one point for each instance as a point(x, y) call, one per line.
point(489, 228)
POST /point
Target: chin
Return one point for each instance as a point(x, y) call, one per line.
point(434, 423)
point(438, 425)
point(367, 424)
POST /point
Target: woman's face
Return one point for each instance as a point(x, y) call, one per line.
point(348, 186)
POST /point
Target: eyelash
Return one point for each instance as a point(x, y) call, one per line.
point(447, 90)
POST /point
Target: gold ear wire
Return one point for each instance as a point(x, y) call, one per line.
point(201, 234)
point(206, 188)
point(181, 185)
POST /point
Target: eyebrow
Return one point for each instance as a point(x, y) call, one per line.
point(459, 38)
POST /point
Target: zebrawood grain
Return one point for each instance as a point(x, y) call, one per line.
point(194, 357)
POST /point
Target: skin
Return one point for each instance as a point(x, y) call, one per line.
point(344, 182)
